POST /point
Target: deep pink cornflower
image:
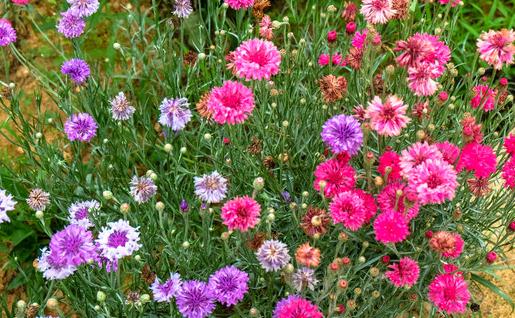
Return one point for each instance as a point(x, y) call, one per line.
point(239, 4)
point(241, 213)
point(449, 292)
point(511, 226)
point(296, 307)
point(350, 27)
point(415, 155)
point(449, 151)
point(496, 47)
point(359, 39)
point(231, 103)
point(387, 118)
point(377, 11)
point(391, 227)
point(404, 273)
point(256, 59)
point(338, 175)
point(389, 159)
point(332, 36)
point(351, 209)
point(421, 79)
point(394, 197)
point(479, 159)
point(443, 96)
point(484, 97)
point(508, 173)
point(503, 81)
point(491, 257)
point(434, 181)
point(452, 2)
point(20, 2)
point(324, 59)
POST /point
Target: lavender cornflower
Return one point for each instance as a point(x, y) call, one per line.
point(169, 289)
point(175, 113)
point(184, 206)
point(73, 244)
point(54, 267)
point(142, 189)
point(7, 203)
point(71, 25)
point(77, 70)
point(211, 188)
point(229, 284)
point(195, 299)
point(83, 8)
point(273, 255)
point(118, 240)
point(7, 33)
point(182, 8)
point(79, 213)
point(81, 127)
point(121, 109)
point(38, 199)
point(342, 133)
point(286, 196)
point(304, 278)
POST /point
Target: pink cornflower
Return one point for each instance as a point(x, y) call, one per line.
point(404, 273)
point(377, 11)
point(241, 213)
point(239, 4)
point(230, 103)
point(509, 144)
point(324, 59)
point(332, 36)
point(496, 47)
point(491, 257)
point(351, 209)
point(256, 59)
point(20, 2)
point(448, 244)
point(350, 27)
point(471, 130)
point(484, 96)
point(452, 2)
point(388, 118)
point(359, 39)
point(265, 28)
point(434, 181)
point(479, 159)
point(449, 151)
point(449, 292)
point(415, 155)
point(421, 79)
point(337, 174)
point(391, 227)
point(389, 159)
point(423, 48)
point(394, 197)
point(508, 173)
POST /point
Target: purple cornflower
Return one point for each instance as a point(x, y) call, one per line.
point(71, 25)
point(184, 206)
point(273, 255)
point(182, 8)
point(211, 188)
point(175, 113)
point(195, 299)
point(229, 284)
point(304, 278)
point(7, 33)
point(169, 289)
point(121, 109)
point(79, 212)
point(7, 203)
point(118, 240)
point(54, 267)
point(38, 199)
point(83, 8)
point(74, 244)
point(142, 189)
point(81, 127)
point(77, 70)
point(286, 196)
point(342, 133)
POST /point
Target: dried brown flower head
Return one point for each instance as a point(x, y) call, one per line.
point(333, 87)
point(202, 106)
point(259, 7)
point(443, 242)
point(255, 146)
point(315, 221)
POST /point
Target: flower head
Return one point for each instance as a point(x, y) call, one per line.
point(389, 166)
point(484, 96)
point(83, 8)
point(421, 79)
point(342, 133)
point(391, 227)
point(239, 4)
point(394, 197)
point(307, 255)
point(241, 213)
point(337, 174)
point(142, 189)
point(479, 159)
point(404, 273)
point(388, 118)
point(74, 244)
point(182, 8)
point(295, 306)
point(265, 28)
point(121, 108)
point(377, 11)
point(38, 199)
point(496, 47)
point(79, 212)
point(71, 25)
point(449, 292)
point(231, 103)
point(417, 154)
point(53, 266)
point(77, 70)
point(508, 173)
point(433, 181)
point(166, 291)
point(7, 204)
point(195, 299)
point(315, 221)
point(509, 144)
point(80, 127)
point(256, 59)
point(175, 113)
point(352, 208)
point(273, 255)
point(333, 87)
point(7, 33)
point(449, 151)
point(229, 285)
point(211, 188)
point(118, 240)
point(449, 244)
point(304, 278)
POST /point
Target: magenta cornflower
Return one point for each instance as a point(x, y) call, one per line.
point(121, 109)
point(118, 240)
point(239, 4)
point(273, 255)
point(7, 204)
point(229, 285)
point(509, 144)
point(450, 152)
point(296, 306)
point(394, 197)
point(404, 273)
point(342, 133)
point(256, 59)
point(377, 11)
point(73, 244)
point(433, 181)
point(164, 292)
point(81, 127)
point(352, 208)
point(387, 118)
point(449, 292)
point(391, 227)
point(7, 33)
point(77, 69)
point(241, 213)
point(175, 113)
point(337, 174)
point(389, 159)
point(496, 47)
point(359, 39)
point(79, 212)
point(508, 173)
point(232, 103)
point(71, 25)
point(484, 97)
point(479, 159)
point(415, 155)
point(195, 299)
point(211, 188)
point(142, 189)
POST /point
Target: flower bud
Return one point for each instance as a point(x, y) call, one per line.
point(145, 298)
point(21, 305)
point(52, 303)
point(343, 284)
point(116, 46)
point(40, 215)
point(185, 244)
point(108, 195)
point(101, 296)
point(258, 184)
point(125, 208)
point(160, 206)
point(253, 312)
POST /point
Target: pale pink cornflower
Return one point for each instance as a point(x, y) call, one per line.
point(496, 47)
point(265, 28)
point(404, 273)
point(377, 11)
point(230, 103)
point(434, 181)
point(416, 154)
point(421, 79)
point(256, 59)
point(388, 118)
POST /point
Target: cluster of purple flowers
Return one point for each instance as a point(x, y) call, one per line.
point(72, 24)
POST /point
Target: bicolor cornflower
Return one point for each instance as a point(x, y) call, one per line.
point(121, 109)
point(38, 199)
point(7, 204)
point(117, 240)
point(142, 189)
point(164, 292)
point(273, 255)
point(211, 188)
point(79, 212)
point(175, 113)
